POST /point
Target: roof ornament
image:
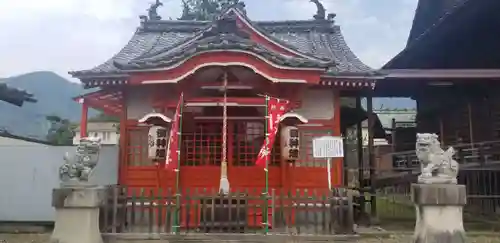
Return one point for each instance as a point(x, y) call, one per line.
point(187, 13)
point(237, 4)
point(321, 11)
point(331, 16)
point(207, 10)
point(153, 10)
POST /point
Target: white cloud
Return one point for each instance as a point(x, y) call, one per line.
point(63, 35)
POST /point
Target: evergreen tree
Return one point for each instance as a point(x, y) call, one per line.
point(61, 131)
point(204, 10)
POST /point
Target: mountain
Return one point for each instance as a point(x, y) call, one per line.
point(54, 95)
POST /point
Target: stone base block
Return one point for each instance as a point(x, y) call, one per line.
point(439, 213)
point(77, 215)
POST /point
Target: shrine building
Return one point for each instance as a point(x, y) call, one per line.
point(225, 68)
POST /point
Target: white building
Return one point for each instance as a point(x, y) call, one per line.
point(401, 116)
point(107, 131)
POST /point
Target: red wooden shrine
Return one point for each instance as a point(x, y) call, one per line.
point(306, 62)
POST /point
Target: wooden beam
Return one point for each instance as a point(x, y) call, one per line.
point(441, 73)
point(231, 101)
point(84, 118)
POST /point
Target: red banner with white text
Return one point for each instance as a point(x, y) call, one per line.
point(172, 156)
point(275, 109)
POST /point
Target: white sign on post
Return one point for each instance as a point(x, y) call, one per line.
point(328, 147)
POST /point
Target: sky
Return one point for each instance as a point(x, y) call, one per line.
point(65, 35)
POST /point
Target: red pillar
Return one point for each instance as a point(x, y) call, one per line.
point(84, 118)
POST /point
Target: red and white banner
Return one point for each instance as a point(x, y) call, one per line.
point(275, 109)
point(173, 141)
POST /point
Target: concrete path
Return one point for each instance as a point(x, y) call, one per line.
point(44, 238)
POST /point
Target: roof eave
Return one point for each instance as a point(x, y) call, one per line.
point(354, 75)
point(170, 61)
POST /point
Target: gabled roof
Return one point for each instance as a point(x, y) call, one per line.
point(224, 35)
point(310, 41)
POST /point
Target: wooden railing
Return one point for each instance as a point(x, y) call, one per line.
point(133, 210)
point(466, 154)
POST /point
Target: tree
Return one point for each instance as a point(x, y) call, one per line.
point(102, 117)
point(61, 131)
point(204, 10)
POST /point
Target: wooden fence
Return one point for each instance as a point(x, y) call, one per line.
point(151, 211)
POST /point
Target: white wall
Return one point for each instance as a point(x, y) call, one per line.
point(29, 173)
point(6, 141)
point(317, 104)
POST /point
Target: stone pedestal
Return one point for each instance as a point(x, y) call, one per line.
point(439, 213)
point(77, 214)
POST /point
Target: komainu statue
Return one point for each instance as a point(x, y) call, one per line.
point(437, 166)
point(78, 167)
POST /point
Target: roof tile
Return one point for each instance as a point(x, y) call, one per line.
point(320, 39)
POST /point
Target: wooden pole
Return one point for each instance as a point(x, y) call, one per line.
point(361, 165)
point(123, 143)
point(176, 225)
point(393, 135)
point(266, 170)
point(441, 129)
point(371, 154)
point(471, 128)
point(84, 118)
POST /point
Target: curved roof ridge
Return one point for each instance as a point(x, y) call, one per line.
point(225, 42)
point(177, 46)
point(315, 40)
point(211, 25)
point(189, 25)
point(272, 39)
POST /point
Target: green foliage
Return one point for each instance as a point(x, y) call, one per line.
point(204, 10)
point(102, 117)
point(55, 96)
point(61, 131)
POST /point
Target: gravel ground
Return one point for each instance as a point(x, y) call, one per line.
point(44, 238)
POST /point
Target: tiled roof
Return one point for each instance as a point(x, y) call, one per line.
point(430, 13)
point(220, 42)
point(319, 39)
point(15, 96)
point(431, 17)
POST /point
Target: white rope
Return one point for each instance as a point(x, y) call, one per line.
point(224, 182)
point(224, 122)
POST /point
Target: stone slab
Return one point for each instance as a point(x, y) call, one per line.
point(77, 214)
point(78, 197)
point(439, 209)
point(438, 194)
